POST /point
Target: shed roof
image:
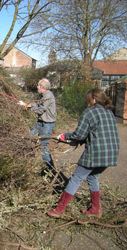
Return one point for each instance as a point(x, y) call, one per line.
point(117, 67)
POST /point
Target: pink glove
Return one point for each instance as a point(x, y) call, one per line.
point(61, 137)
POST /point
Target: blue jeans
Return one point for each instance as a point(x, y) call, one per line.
point(44, 130)
point(81, 174)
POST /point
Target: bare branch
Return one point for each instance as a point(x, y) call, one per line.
point(30, 16)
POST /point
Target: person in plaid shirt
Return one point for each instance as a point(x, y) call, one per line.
point(98, 131)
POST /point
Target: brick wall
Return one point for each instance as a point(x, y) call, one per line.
point(16, 58)
point(125, 107)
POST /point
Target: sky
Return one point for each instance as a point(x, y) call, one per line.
point(5, 24)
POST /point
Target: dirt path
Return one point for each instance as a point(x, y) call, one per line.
point(117, 177)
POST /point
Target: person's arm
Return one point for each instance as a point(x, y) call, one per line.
point(39, 107)
point(80, 133)
point(82, 130)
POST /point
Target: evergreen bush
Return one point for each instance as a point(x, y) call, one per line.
point(73, 97)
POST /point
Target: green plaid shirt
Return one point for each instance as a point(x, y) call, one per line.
point(97, 129)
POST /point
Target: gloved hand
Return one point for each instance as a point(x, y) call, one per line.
point(61, 137)
point(24, 104)
point(28, 106)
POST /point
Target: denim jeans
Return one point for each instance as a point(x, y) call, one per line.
point(81, 174)
point(44, 130)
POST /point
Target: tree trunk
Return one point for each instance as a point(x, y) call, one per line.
point(85, 68)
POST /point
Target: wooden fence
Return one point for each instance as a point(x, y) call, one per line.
point(118, 95)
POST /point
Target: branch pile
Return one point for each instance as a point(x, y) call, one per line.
point(15, 139)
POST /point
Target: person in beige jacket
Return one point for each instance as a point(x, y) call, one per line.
point(45, 108)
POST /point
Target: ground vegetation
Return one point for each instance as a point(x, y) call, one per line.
point(26, 195)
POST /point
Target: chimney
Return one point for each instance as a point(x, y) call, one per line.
point(52, 57)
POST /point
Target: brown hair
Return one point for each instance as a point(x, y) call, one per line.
point(100, 98)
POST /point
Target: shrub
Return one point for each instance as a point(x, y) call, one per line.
point(31, 78)
point(73, 97)
point(3, 72)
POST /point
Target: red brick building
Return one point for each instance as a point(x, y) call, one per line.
point(114, 67)
point(17, 59)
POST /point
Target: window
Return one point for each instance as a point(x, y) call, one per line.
point(105, 77)
point(115, 77)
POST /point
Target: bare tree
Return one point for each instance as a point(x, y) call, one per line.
point(24, 13)
point(77, 29)
point(41, 29)
point(84, 28)
point(87, 27)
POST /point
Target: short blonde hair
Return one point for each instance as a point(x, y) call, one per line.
point(45, 83)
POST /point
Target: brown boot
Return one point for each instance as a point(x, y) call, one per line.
point(95, 209)
point(65, 198)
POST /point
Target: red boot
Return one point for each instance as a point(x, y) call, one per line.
point(95, 209)
point(65, 198)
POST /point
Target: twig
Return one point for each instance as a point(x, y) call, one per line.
point(56, 169)
point(15, 233)
point(85, 223)
point(57, 227)
point(18, 245)
point(102, 224)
